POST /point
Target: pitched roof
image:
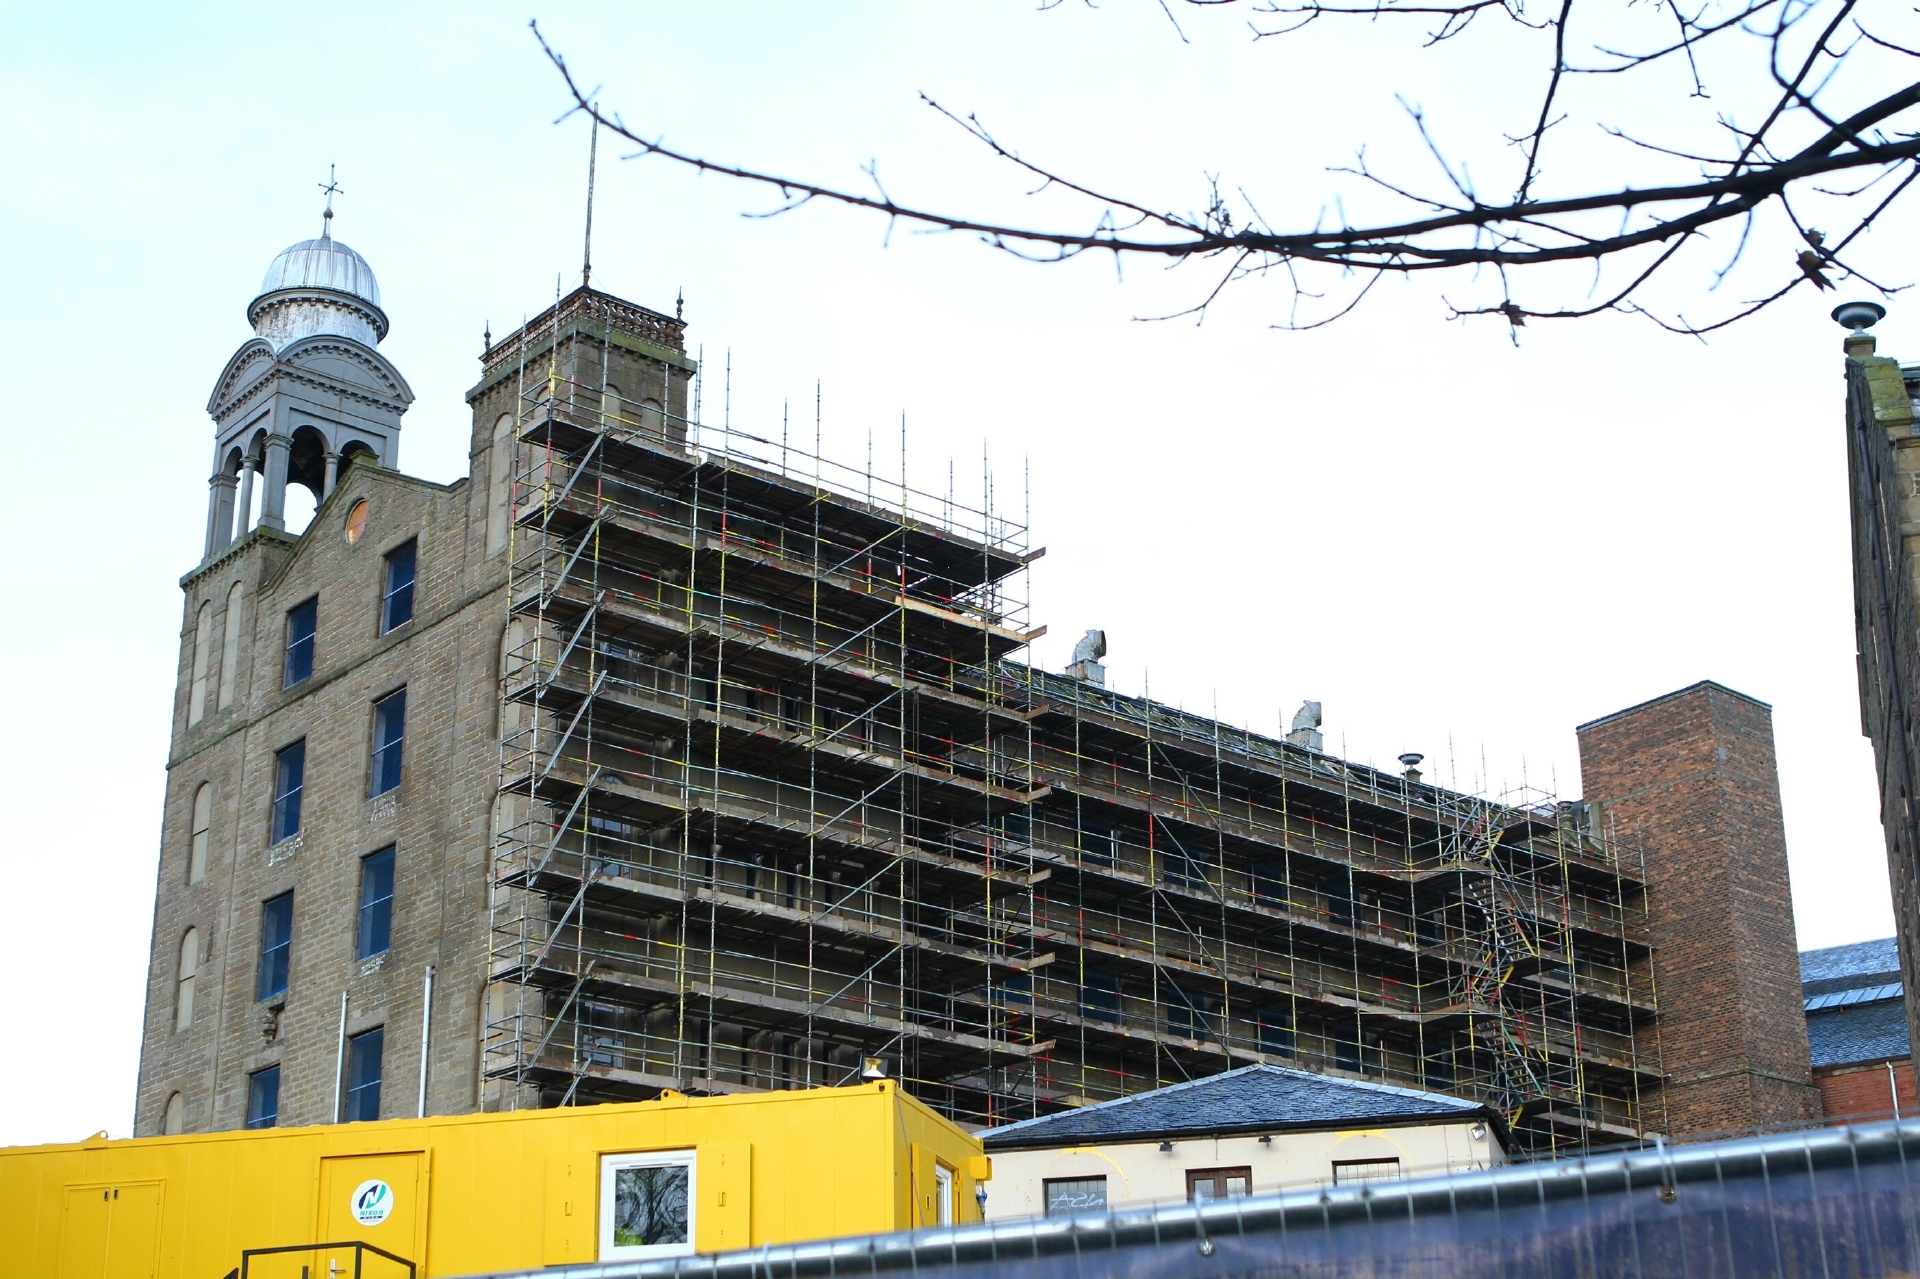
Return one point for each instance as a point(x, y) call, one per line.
point(1855, 1002)
point(1251, 1099)
point(1858, 959)
point(1875, 1031)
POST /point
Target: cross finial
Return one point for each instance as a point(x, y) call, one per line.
point(332, 188)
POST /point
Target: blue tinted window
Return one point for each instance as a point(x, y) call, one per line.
point(396, 605)
point(363, 1075)
point(263, 1098)
point(301, 622)
point(1276, 1031)
point(1187, 1013)
point(276, 944)
point(1346, 1047)
point(376, 904)
point(389, 731)
point(1100, 996)
point(289, 778)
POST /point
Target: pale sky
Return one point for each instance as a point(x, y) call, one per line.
point(1460, 547)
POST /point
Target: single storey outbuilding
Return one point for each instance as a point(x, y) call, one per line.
point(1246, 1131)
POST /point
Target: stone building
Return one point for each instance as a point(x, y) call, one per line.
point(652, 755)
point(1883, 470)
point(325, 845)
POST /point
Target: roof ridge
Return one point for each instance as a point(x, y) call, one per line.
point(1257, 1068)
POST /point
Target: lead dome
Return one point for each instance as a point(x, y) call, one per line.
point(324, 263)
point(318, 287)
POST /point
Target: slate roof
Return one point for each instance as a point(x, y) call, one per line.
point(1861, 959)
point(1862, 1032)
point(1257, 1098)
point(1855, 1003)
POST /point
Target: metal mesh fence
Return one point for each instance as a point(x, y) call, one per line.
point(1834, 1203)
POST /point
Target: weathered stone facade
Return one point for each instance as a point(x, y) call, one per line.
point(233, 712)
point(1883, 469)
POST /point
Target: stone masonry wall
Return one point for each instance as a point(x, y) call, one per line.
point(437, 821)
point(1691, 778)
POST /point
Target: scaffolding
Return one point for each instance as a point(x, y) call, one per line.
point(777, 798)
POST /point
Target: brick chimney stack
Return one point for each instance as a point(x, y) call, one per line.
point(1690, 778)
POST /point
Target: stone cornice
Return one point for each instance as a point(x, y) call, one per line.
point(325, 297)
point(307, 377)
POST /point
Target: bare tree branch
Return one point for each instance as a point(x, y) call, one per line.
point(1798, 140)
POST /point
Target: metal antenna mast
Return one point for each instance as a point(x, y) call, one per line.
point(586, 251)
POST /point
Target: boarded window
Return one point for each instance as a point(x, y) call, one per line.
point(500, 484)
point(202, 654)
point(230, 648)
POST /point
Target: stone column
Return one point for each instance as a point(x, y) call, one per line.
point(333, 473)
point(219, 514)
point(273, 503)
point(241, 527)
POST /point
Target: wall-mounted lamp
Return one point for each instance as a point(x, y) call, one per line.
point(1166, 1147)
point(1478, 1132)
point(1266, 1139)
point(873, 1068)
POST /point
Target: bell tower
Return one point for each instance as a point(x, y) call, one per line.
point(307, 393)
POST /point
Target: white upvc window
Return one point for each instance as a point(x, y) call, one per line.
point(943, 1195)
point(646, 1205)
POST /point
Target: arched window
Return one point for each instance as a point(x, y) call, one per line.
point(650, 419)
point(171, 1125)
point(514, 655)
point(499, 483)
point(230, 649)
point(202, 833)
point(202, 652)
point(189, 972)
point(611, 407)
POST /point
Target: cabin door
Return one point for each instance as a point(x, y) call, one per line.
point(111, 1231)
point(376, 1199)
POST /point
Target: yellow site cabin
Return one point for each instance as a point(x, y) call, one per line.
point(466, 1193)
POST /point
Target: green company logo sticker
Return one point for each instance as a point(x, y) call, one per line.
point(372, 1202)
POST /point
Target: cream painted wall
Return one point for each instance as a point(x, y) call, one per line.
point(1140, 1172)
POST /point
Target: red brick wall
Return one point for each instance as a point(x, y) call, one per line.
point(1860, 1093)
point(1690, 779)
